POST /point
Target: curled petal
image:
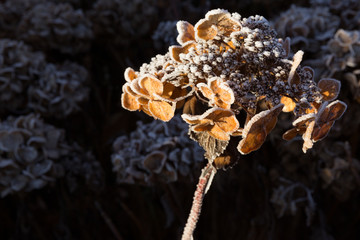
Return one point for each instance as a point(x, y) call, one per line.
point(331, 112)
point(296, 62)
point(186, 32)
point(206, 91)
point(129, 100)
point(151, 85)
point(215, 21)
point(175, 51)
point(290, 134)
point(218, 133)
point(258, 128)
point(161, 110)
point(308, 143)
point(130, 74)
point(329, 88)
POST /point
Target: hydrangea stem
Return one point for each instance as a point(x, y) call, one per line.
point(203, 185)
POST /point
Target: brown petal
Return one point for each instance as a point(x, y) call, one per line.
point(290, 134)
point(296, 62)
point(332, 112)
point(258, 128)
point(222, 89)
point(205, 30)
point(320, 132)
point(203, 127)
point(186, 32)
point(130, 74)
point(129, 102)
point(175, 51)
point(161, 110)
point(154, 162)
point(289, 104)
point(151, 85)
point(329, 88)
point(206, 91)
point(216, 21)
point(228, 123)
point(219, 133)
point(222, 161)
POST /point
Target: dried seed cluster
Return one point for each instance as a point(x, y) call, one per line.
point(156, 152)
point(228, 65)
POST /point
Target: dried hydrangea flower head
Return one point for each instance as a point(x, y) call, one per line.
point(156, 152)
point(224, 68)
point(33, 154)
point(59, 90)
point(122, 20)
point(308, 28)
point(230, 63)
point(52, 26)
point(19, 68)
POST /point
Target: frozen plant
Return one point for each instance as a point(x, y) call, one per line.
point(34, 154)
point(228, 70)
point(308, 28)
point(59, 91)
point(51, 26)
point(156, 152)
point(122, 20)
point(19, 68)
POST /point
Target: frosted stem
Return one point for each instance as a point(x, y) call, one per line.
point(207, 174)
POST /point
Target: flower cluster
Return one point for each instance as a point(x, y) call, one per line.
point(20, 66)
point(52, 26)
point(308, 28)
point(32, 154)
point(227, 66)
point(156, 152)
point(28, 82)
point(120, 20)
point(59, 90)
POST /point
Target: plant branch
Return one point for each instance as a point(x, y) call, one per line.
point(205, 180)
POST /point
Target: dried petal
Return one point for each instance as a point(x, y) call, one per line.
point(216, 21)
point(129, 102)
point(289, 104)
point(175, 51)
point(258, 128)
point(130, 74)
point(296, 62)
point(329, 88)
point(151, 85)
point(154, 162)
point(186, 32)
point(161, 110)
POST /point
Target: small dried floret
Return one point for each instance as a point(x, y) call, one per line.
point(218, 92)
point(220, 123)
